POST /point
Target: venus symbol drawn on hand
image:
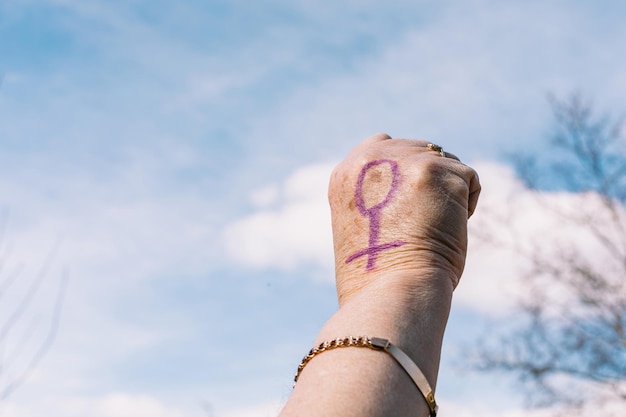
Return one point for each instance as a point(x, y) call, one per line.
point(374, 213)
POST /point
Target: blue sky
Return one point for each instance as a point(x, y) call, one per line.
point(173, 157)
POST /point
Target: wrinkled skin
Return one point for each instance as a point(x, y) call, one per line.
point(399, 218)
point(428, 212)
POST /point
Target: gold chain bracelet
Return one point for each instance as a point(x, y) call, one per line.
point(378, 343)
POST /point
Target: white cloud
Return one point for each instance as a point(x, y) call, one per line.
point(119, 404)
point(521, 221)
point(116, 235)
point(468, 80)
point(125, 405)
point(270, 409)
point(461, 72)
point(295, 233)
point(609, 406)
point(265, 196)
point(449, 409)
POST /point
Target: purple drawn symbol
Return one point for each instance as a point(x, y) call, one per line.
point(374, 213)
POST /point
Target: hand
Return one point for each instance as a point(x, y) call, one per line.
point(399, 209)
point(399, 216)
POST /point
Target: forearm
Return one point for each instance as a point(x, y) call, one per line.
point(409, 310)
point(399, 216)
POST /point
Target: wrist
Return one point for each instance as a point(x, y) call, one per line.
point(407, 308)
point(397, 289)
point(410, 266)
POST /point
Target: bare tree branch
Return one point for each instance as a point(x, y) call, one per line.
point(572, 317)
point(45, 346)
point(21, 347)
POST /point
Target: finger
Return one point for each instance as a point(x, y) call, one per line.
point(439, 150)
point(378, 137)
point(451, 156)
point(472, 182)
point(428, 145)
point(414, 143)
point(419, 143)
point(370, 141)
point(474, 192)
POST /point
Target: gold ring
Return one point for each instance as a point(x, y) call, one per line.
point(436, 148)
